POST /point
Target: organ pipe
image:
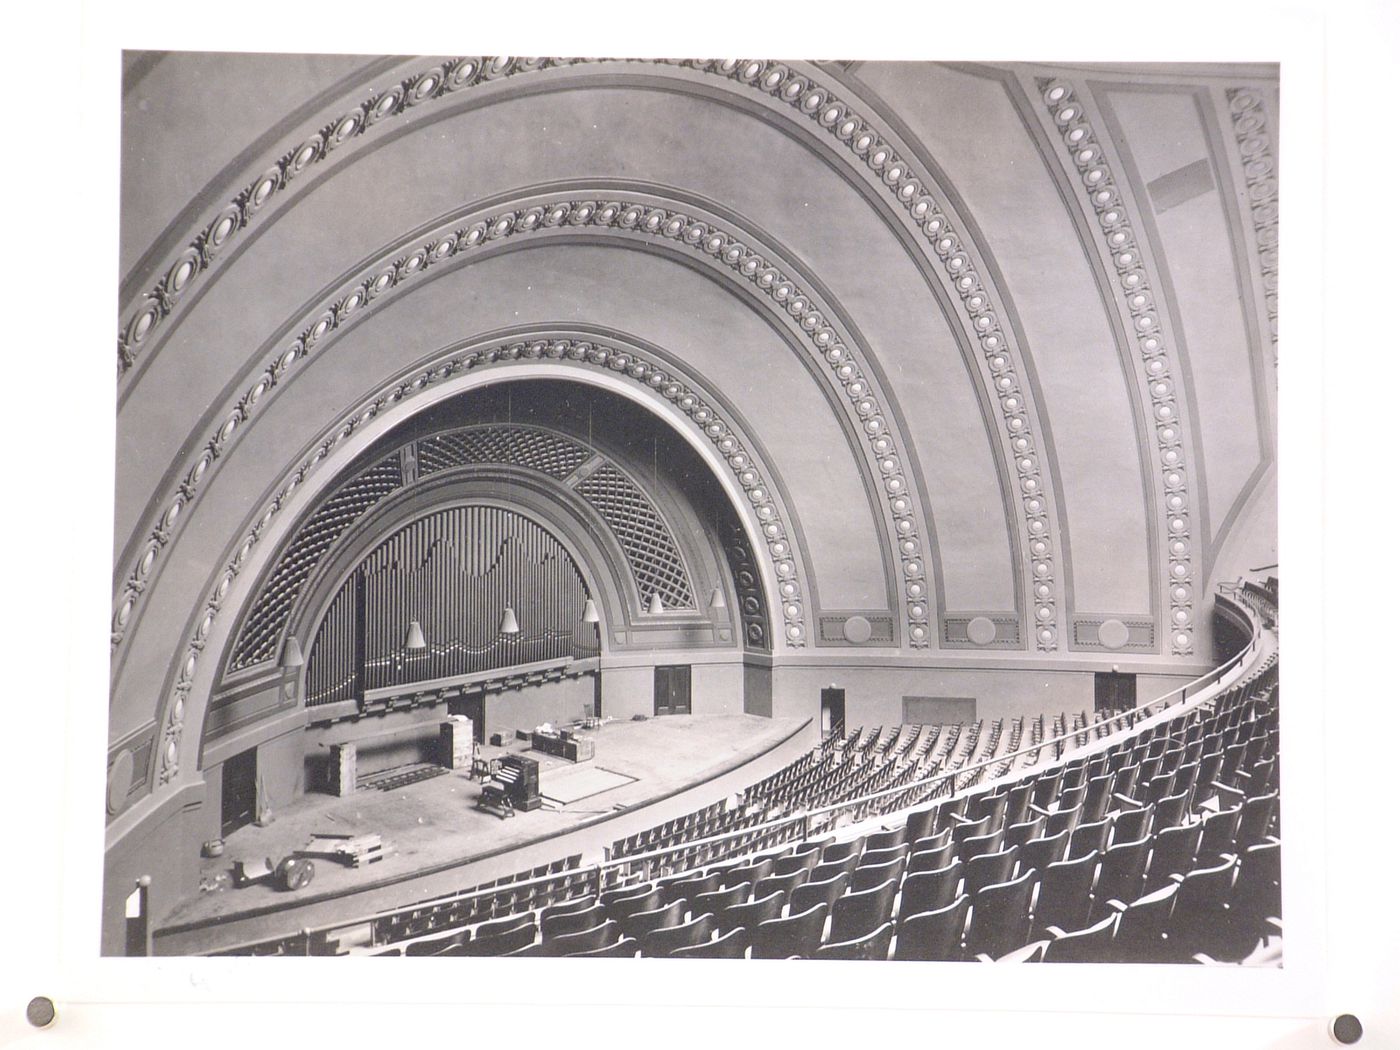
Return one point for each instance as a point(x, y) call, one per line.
point(454, 571)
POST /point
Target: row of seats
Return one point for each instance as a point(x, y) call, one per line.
point(1159, 849)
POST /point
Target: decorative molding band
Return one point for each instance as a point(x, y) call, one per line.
point(909, 194)
point(1087, 156)
point(982, 631)
point(855, 629)
point(1109, 634)
point(398, 267)
point(631, 363)
point(1261, 180)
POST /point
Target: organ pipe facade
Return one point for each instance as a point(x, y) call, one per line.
point(454, 571)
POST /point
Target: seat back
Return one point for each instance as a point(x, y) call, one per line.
point(1088, 838)
point(1131, 824)
point(1020, 834)
point(1141, 935)
point(1041, 852)
point(719, 900)
point(842, 850)
point(920, 823)
point(559, 924)
point(1096, 798)
point(578, 904)
point(887, 839)
point(1001, 917)
point(684, 889)
point(750, 873)
point(858, 913)
point(1066, 818)
point(758, 910)
point(1254, 822)
point(964, 830)
point(626, 948)
point(507, 925)
point(1219, 831)
point(868, 875)
point(1120, 874)
point(641, 923)
point(870, 857)
point(810, 893)
point(978, 845)
point(798, 934)
point(988, 869)
point(1063, 898)
point(603, 934)
point(933, 859)
point(662, 941)
point(498, 943)
point(1202, 922)
point(829, 869)
point(804, 861)
point(930, 890)
point(933, 935)
point(783, 884)
point(731, 945)
point(1173, 853)
point(1170, 811)
point(621, 907)
point(874, 945)
point(1091, 944)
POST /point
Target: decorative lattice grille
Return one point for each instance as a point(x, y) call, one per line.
point(258, 639)
point(515, 446)
point(651, 552)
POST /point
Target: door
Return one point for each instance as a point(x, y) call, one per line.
point(833, 712)
point(240, 791)
point(673, 690)
point(1114, 691)
point(473, 706)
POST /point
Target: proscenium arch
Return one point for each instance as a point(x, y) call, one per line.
point(530, 478)
point(818, 334)
point(191, 680)
point(852, 138)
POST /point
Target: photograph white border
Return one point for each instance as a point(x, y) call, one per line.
point(1337, 953)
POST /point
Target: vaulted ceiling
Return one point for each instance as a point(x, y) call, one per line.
point(984, 351)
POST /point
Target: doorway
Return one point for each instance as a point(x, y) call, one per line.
point(833, 712)
point(240, 791)
point(473, 706)
point(1114, 691)
point(673, 690)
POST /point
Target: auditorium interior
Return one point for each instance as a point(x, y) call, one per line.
point(726, 509)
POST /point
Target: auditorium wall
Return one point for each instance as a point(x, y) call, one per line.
point(875, 691)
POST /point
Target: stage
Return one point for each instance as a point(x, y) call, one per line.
point(436, 841)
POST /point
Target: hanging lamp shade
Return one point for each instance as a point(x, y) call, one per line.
point(414, 638)
point(654, 606)
point(291, 653)
point(509, 624)
point(717, 599)
point(590, 612)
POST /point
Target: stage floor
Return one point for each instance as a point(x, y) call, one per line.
point(434, 828)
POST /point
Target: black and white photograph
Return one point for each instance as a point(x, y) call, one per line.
point(696, 508)
point(795, 513)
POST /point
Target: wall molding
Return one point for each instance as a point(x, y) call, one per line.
point(1156, 355)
